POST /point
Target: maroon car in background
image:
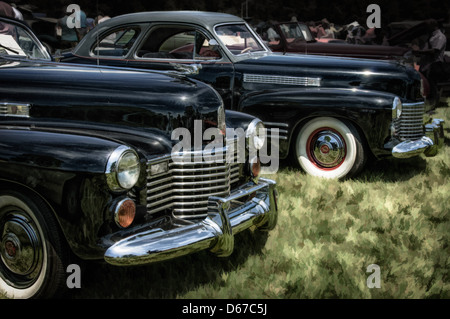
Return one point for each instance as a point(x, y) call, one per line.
point(296, 38)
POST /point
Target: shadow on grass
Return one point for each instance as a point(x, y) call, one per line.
point(168, 279)
point(393, 170)
point(388, 170)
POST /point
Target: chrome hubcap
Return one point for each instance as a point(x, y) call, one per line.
point(21, 250)
point(326, 148)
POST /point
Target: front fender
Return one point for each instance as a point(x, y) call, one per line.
point(370, 111)
point(67, 171)
point(237, 120)
point(55, 151)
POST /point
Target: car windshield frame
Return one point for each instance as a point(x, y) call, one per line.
point(17, 51)
point(264, 50)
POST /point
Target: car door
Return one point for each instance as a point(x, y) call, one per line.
point(188, 49)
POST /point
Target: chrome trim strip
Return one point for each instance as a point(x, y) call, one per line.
point(15, 109)
point(283, 80)
point(276, 124)
point(414, 104)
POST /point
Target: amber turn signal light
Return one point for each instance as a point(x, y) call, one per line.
point(124, 213)
point(255, 167)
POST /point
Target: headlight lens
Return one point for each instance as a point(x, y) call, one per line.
point(256, 134)
point(396, 108)
point(123, 169)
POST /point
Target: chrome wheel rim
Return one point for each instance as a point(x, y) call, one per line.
point(326, 148)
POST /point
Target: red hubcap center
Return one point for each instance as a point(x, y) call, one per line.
point(10, 248)
point(324, 149)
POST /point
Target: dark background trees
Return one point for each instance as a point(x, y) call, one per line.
point(339, 12)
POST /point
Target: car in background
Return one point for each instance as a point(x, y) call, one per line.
point(330, 114)
point(88, 168)
point(295, 37)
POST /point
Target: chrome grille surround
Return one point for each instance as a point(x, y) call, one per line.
point(409, 126)
point(185, 188)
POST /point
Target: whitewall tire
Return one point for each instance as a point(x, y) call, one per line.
point(330, 148)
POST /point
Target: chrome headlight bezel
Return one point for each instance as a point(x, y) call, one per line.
point(123, 169)
point(396, 108)
point(256, 134)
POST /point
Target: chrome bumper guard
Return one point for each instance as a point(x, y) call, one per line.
point(428, 144)
point(251, 205)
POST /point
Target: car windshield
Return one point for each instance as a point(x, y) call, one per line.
point(238, 39)
point(294, 31)
point(16, 41)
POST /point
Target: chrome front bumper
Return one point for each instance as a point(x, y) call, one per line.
point(428, 144)
point(250, 205)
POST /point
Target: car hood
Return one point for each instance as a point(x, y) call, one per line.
point(337, 72)
point(106, 98)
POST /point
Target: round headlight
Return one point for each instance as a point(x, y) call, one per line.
point(123, 169)
point(396, 108)
point(256, 134)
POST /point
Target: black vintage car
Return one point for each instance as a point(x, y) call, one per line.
point(331, 113)
point(88, 168)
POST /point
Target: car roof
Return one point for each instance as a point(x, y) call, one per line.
point(208, 19)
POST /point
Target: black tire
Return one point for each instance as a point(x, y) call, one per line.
point(33, 253)
point(330, 148)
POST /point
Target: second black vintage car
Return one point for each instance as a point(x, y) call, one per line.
point(88, 168)
point(331, 113)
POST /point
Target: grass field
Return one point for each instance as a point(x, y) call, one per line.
point(396, 215)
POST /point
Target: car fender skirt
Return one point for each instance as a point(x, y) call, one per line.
point(251, 205)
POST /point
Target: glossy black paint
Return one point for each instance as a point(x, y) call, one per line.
point(67, 170)
point(365, 109)
point(78, 115)
point(226, 76)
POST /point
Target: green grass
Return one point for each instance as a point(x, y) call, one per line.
point(396, 214)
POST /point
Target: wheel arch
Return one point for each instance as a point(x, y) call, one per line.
point(55, 254)
point(303, 121)
point(363, 109)
point(30, 192)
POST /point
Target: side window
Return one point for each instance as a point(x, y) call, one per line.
point(177, 43)
point(117, 43)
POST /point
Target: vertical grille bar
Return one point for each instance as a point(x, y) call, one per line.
point(410, 124)
point(185, 188)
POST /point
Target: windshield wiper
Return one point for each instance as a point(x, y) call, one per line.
point(9, 49)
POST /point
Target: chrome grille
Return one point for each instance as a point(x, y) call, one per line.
point(410, 124)
point(185, 188)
